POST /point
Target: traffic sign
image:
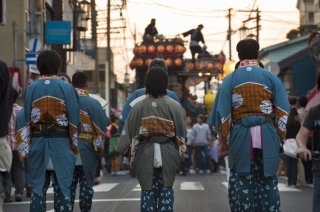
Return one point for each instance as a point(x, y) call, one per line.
point(31, 58)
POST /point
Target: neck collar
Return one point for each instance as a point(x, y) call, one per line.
point(244, 63)
point(82, 92)
point(44, 77)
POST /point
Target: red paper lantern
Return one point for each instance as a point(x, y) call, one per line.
point(169, 48)
point(160, 48)
point(178, 62)
point(148, 61)
point(169, 62)
point(190, 66)
point(209, 66)
point(179, 49)
point(142, 49)
point(151, 49)
point(139, 62)
point(136, 50)
point(199, 66)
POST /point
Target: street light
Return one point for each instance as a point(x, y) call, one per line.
point(83, 15)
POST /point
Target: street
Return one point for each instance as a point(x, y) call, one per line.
point(207, 192)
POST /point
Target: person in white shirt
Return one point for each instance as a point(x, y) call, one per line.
point(201, 136)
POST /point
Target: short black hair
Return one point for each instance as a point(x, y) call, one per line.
point(303, 101)
point(293, 101)
point(248, 49)
point(79, 79)
point(48, 62)
point(160, 62)
point(156, 82)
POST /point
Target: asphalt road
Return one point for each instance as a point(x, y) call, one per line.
point(201, 193)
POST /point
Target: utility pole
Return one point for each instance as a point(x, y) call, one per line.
point(229, 33)
point(245, 29)
point(109, 39)
point(258, 23)
point(96, 79)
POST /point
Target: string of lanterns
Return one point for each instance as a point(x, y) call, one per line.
point(171, 51)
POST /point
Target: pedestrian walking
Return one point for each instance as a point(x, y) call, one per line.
point(90, 143)
point(155, 130)
point(293, 127)
point(49, 135)
point(6, 104)
point(115, 156)
point(312, 124)
point(201, 137)
point(250, 114)
point(17, 168)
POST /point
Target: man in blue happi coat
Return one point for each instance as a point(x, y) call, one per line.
point(250, 114)
point(48, 136)
point(91, 141)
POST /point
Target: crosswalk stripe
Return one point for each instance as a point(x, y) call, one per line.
point(103, 187)
point(281, 187)
point(77, 201)
point(137, 188)
point(191, 186)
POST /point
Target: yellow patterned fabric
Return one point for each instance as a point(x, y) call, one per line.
point(251, 99)
point(153, 125)
point(89, 131)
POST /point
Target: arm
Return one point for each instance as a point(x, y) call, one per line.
point(130, 130)
point(99, 121)
point(281, 107)
point(201, 38)
point(73, 111)
point(209, 134)
point(302, 139)
point(187, 33)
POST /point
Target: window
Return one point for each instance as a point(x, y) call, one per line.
point(311, 17)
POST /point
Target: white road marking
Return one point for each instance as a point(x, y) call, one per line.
point(281, 187)
point(137, 188)
point(77, 201)
point(103, 187)
point(191, 186)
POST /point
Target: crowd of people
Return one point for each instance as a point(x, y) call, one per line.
point(59, 135)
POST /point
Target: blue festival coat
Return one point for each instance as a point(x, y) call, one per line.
point(49, 100)
point(249, 97)
point(136, 96)
point(92, 135)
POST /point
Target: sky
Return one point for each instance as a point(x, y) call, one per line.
point(174, 17)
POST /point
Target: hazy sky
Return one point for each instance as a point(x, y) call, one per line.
point(177, 16)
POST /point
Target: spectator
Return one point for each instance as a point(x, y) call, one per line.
point(293, 126)
point(303, 101)
point(6, 103)
point(201, 137)
point(311, 123)
point(50, 132)
point(189, 139)
point(156, 130)
point(17, 169)
point(116, 158)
